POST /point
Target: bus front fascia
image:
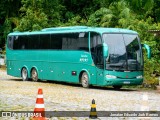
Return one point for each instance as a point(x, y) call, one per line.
point(111, 78)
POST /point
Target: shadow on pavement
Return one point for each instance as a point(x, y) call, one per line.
point(78, 85)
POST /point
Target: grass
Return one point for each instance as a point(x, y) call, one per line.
point(138, 87)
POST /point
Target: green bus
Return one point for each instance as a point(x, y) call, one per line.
point(77, 54)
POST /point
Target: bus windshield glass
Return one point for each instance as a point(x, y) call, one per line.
point(124, 52)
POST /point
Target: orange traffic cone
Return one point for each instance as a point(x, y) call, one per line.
point(39, 111)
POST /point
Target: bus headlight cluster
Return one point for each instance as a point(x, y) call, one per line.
point(139, 77)
point(111, 76)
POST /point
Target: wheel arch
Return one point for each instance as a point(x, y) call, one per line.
point(80, 74)
point(34, 67)
point(26, 69)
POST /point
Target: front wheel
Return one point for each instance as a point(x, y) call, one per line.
point(34, 75)
point(117, 87)
point(24, 74)
point(85, 80)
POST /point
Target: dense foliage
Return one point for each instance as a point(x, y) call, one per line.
point(139, 15)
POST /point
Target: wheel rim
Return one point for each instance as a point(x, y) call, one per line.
point(34, 75)
point(24, 74)
point(84, 80)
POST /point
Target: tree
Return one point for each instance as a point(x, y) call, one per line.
point(114, 16)
point(38, 14)
point(33, 20)
point(82, 8)
point(8, 18)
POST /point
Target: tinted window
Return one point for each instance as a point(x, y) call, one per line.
point(10, 42)
point(44, 41)
point(20, 42)
point(75, 41)
point(56, 41)
point(33, 42)
point(68, 41)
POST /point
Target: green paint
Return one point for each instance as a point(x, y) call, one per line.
point(65, 64)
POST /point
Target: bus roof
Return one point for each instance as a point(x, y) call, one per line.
point(74, 29)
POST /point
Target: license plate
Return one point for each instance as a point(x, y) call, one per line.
point(126, 82)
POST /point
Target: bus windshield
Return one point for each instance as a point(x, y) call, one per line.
point(124, 52)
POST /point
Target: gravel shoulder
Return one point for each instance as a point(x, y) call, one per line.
point(17, 95)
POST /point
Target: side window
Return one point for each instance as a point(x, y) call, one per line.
point(23, 42)
point(83, 42)
point(10, 42)
point(56, 41)
point(18, 42)
point(67, 41)
point(44, 41)
point(75, 41)
point(15, 42)
point(70, 41)
point(33, 42)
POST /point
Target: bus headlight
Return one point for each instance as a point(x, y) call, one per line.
point(139, 77)
point(111, 76)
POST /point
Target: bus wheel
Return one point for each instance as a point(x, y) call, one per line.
point(117, 87)
point(34, 75)
point(24, 74)
point(85, 80)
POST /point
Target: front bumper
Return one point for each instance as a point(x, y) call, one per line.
point(111, 82)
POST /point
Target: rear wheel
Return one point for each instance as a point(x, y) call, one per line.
point(117, 87)
point(34, 75)
point(85, 80)
point(24, 74)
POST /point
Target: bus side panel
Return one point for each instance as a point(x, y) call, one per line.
point(69, 72)
point(52, 65)
point(67, 65)
point(13, 64)
point(16, 60)
point(12, 69)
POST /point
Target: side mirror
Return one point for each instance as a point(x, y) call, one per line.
point(148, 50)
point(105, 50)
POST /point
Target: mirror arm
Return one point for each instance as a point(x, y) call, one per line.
point(105, 50)
point(147, 49)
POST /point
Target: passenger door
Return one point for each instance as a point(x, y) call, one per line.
point(100, 65)
point(97, 56)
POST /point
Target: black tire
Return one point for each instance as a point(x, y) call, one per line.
point(117, 87)
point(85, 80)
point(24, 74)
point(34, 75)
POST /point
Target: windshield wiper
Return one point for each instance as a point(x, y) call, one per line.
point(122, 64)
